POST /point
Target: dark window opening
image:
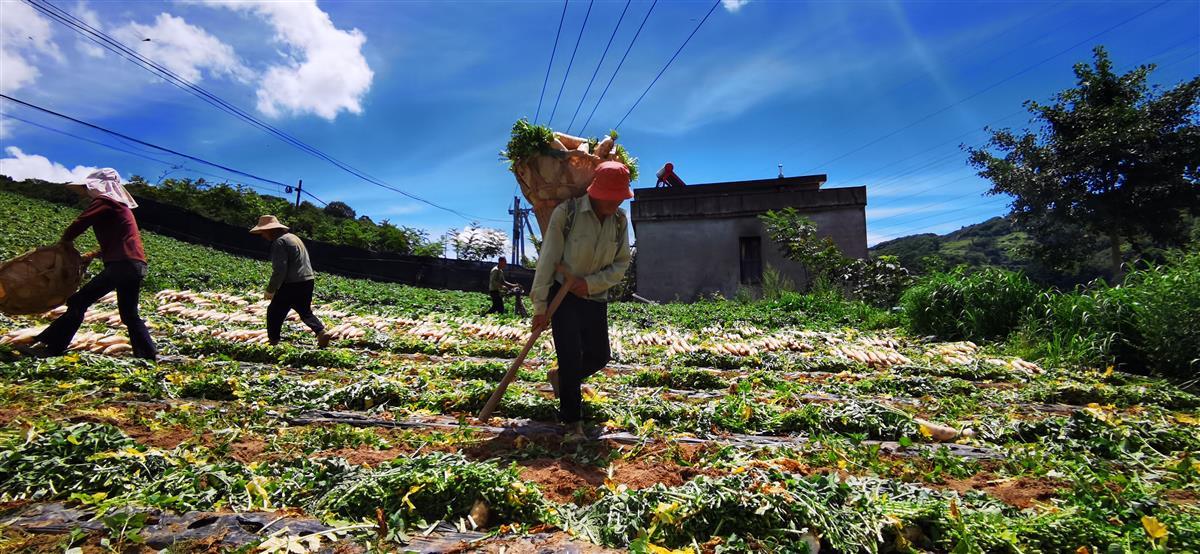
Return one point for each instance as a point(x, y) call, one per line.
point(750, 256)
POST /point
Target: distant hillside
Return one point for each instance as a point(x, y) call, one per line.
point(336, 223)
point(991, 243)
point(994, 243)
point(998, 243)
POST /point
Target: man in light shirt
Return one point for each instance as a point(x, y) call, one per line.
point(498, 285)
point(590, 237)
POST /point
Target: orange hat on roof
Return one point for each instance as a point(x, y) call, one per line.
point(611, 182)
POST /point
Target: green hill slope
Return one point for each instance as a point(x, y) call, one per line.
point(991, 243)
point(29, 223)
point(180, 265)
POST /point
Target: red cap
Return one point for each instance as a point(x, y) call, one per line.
point(611, 182)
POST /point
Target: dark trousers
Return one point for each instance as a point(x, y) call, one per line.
point(124, 277)
point(580, 330)
point(497, 303)
point(292, 296)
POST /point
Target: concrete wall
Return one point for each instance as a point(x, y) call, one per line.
point(683, 259)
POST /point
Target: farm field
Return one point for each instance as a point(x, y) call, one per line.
point(815, 425)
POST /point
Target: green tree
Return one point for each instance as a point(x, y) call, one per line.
point(340, 210)
point(796, 236)
point(478, 243)
point(877, 281)
point(1114, 159)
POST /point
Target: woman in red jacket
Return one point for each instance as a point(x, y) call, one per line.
point(110, 216)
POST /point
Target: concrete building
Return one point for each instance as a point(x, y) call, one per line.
point(699, 240)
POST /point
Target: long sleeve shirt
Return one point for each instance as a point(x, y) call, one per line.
point(289, 262)
point(116, 230)
point(597, 252)
point(496, 279)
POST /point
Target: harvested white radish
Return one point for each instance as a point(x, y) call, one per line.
point(604, 148)
point(571, 142)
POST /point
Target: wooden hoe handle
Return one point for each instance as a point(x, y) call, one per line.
point(516, 364)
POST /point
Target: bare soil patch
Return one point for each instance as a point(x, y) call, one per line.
point(1021, 492)
point(535, 544)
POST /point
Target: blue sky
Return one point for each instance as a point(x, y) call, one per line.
point(421, 95)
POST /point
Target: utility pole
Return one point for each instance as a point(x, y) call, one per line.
point(299, 187)
point(516, 230)
point(520, 224)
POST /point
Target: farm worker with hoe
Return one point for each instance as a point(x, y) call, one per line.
point(292, 277)
point(110, 216)
point(589, 235)
point(497, 285)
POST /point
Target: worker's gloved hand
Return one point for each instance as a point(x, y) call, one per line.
point(579, 288)
point(540, 321)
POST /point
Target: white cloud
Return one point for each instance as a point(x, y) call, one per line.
point(325, 71)
point(183, 48)
point(24, 35)
point(21, 166)
point(92, 19)
point(734, 5)
point(738, 87)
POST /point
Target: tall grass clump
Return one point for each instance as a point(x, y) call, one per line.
point(1149, 324)
point(969, 305)
point(775, 283)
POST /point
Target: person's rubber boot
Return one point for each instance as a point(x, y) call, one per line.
point(37, 350)
point(552, 376)
point(573, 433)
point(323, 340)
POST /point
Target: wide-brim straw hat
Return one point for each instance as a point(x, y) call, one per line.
point(267, 223)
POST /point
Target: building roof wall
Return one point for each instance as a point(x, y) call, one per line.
point(742, 198)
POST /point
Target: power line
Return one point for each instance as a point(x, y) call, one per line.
point(995, 121)
point(598, 64)
point(314, 197)
point(121, 50)
point(130, 152)
point(957, 218)
point(142, 142)
point(571, 61)
point(85, 139)
point(988, 63)
point(941, 184)
point(932, 148)
point(117, 47)
point(140, 155)
point(546, 80)
point(618, 69)
point(924, 207)
point(898, 178)
point(664, 69)
point(976, 94)
point(894, 180)
point(112, 45)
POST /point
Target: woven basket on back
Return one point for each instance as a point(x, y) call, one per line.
point(40, 280)
point(557, 175)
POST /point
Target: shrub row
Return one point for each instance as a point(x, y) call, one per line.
point(1148, 324)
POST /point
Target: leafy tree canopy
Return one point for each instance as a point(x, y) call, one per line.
point(1113, 159)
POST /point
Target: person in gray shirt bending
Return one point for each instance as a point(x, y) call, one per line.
point(291, 285)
